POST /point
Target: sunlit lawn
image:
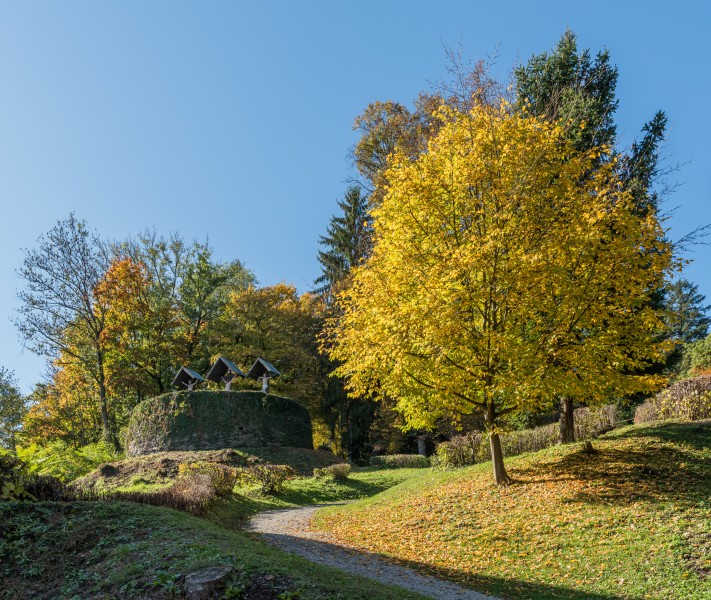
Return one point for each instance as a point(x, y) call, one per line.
point(631, 521)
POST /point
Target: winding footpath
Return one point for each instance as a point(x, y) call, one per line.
point(290, 530)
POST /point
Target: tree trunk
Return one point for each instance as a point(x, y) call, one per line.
point(497, 456)
point(567, 421)
point(422, 445)
point(349, 426)
point(497, 460)
point(106, 428)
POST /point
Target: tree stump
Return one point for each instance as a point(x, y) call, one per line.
point(588, 448)
point(203, 584)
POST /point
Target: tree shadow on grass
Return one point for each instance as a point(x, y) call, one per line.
point(425, 579)
point(656, 472)
point(348, 489)
point(694, 433)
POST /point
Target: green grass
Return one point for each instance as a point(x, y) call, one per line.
point(156, 471)
point(628, 522)
point(631, 521)
point(362, 483)
point(124, 550)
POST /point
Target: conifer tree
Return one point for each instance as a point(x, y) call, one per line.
point(687, 318)
point(568, 87)
point(347, 242)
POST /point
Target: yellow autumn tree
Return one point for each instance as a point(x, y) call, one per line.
point(144, 334)
point(507, 269)
point(278, 324)
point(66, 408)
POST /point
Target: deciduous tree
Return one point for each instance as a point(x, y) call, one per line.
point(278, 324)
point(13, 408)
point(508, 267)
point(57, 305)
point(143, 337)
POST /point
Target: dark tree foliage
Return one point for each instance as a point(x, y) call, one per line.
point(13, 408)
point(640, 167)
point(347, 242)
point(687, 318)
point(568, 85)
point(349, 419)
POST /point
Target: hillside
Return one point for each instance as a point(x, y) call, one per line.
point(161, 468)
point(125, 550)
point(631, 520)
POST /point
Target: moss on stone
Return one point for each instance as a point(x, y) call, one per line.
point(206, 420)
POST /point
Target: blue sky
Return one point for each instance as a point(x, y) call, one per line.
point(233, 120)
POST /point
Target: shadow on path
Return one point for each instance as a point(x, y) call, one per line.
point(289, 530)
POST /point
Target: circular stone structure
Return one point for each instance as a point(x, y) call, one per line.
point(206, 420)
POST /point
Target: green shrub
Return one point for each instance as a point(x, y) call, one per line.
point(12, 478)
point(191, 493)
point(688, 399)
point(697, 357)
point(339, 472)
point(46, 487)
point(269, 478)
point(57, 459)
point(460, 451)
point(647, 412)
point(514, 443)
point(472, 448)
point(400, 461)
point(223, 478)
point(592, 422)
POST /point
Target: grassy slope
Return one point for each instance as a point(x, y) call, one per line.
point(363, 483)
point(631, 521)
point(160, 468)
point(123, 550)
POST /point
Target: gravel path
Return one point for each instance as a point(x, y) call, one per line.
point(290, 530)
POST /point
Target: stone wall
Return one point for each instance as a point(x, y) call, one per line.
point(207, 420)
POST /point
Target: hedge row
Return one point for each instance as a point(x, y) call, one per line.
point(689, 400)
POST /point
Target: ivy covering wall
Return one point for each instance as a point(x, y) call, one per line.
point(207, 420)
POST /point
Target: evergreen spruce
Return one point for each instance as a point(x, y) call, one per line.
point(569, 86)
point(687, 319)
point(347, 242)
